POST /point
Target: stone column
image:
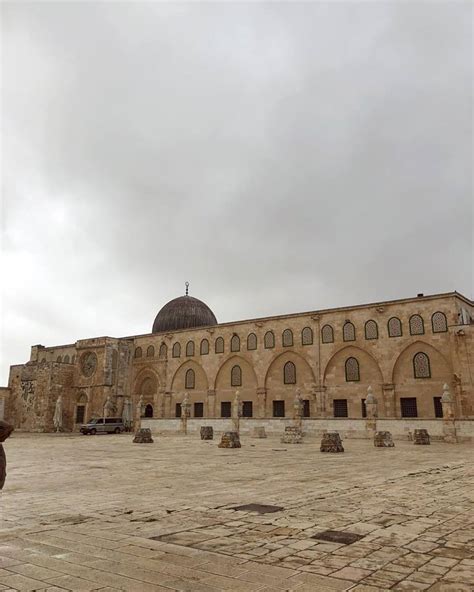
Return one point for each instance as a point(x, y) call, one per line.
point(261, 402)
point(137, 424)
point(236, 411)
point(371, 408)
point(211, 403)
point(185, 413)
point(298, 410)
point(320, 396)
point(389, 400)
point(167, 404)
point(449, 423)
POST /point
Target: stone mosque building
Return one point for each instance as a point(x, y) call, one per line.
point(406, 350)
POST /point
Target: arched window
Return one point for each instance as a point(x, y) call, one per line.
point(149, 410)
point(176, 350)
point(190, 348)
point(307, 336)
point(287, 338)
point(204, 349)
point(439, 322)
point(150, 352)
point(163, 351)
point(352, 370)
point(236, 376)
point(251, 341)
point(417, 326)
point(190, 379)
point(138, 352)
point(371, 330)
point(289, 373)
point(348, 331)
point(59, 359)
point(327, 334)
point(66, 359)
point(269, 340)
point(235, 343)
point(421, 365)
point(219, 345)
point(394, 327)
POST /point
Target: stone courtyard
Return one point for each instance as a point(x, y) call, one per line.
point(100, 513)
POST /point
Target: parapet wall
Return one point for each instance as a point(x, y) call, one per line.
point(401, 429)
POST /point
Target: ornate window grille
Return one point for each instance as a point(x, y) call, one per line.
point(348, 331)
point(176, 350)
point(394, 327)
point(235, 343)
point(204, 349)
point(269, 340)
point(417, 327)
point(371, 330)
point(439, 322)
point(421, 365)
point(190, 348)
point(327, 334)
point(307, 336)
point(287, 338)
point(289, 373)
point(219, 345)
point(190, 379)
point(236, 376)
point(251, 341)
point(352, 370)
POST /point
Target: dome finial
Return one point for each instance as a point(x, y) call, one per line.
point(187, 287)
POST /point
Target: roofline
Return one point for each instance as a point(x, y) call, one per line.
point(315, 312)
point(286, 316)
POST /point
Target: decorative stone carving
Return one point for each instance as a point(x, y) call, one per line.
point(185, 413)
point(421, 436)
point(292, 435)
point(5, 430)
point(259, 432)
point(331, 442)
point(207, 433)
point(58, 414)
point(383, 440)
point(230, 440)
point(237, 407)
point(88, 364)
point(143, 436)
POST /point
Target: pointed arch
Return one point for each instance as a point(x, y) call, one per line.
point(440, 366)
point(348, 331)
point(236, 376)
point(249, 376)
point(289, 373)
point(142, 375)
point(189, 379)
point(178, 382)
point(204, 347)
point(327, 334)
point(303, 368)
point(334, 370)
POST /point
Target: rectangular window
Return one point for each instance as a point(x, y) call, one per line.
point(198, 409)
point(438, 408)
point(306, 408)
point(278, 408)
point(364, 408)
point(408, 407)
point(226, 410)
point(247, 409)
point(80, 411)
point(340, 407)
point(178, 409)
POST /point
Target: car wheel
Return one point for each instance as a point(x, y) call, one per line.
point(117, 431)
point(93, 432)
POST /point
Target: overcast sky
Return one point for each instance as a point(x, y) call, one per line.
point(280, 157)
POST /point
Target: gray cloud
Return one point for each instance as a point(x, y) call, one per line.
point(282, 157)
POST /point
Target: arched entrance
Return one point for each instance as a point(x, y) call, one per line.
point(149, 410)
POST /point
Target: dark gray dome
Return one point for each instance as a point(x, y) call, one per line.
point(184, 312)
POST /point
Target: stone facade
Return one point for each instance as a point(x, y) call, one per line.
point(332, 356)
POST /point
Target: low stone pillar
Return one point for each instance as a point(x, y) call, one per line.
point(331, 442)
point(143, 436)
point(449, 424)
point(207, 433)
point(292, 435)
point(259, 432)
point(230, 440)
point(371, 411)
point(383, 440)
point(421, 436)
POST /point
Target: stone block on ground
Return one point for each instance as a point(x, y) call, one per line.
point(421, 436)
point(383, 440)
point(292, 435)
point(331, 442)
point(230, 440)
point(143, 436)
point(207, 433)
point(259, 432)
